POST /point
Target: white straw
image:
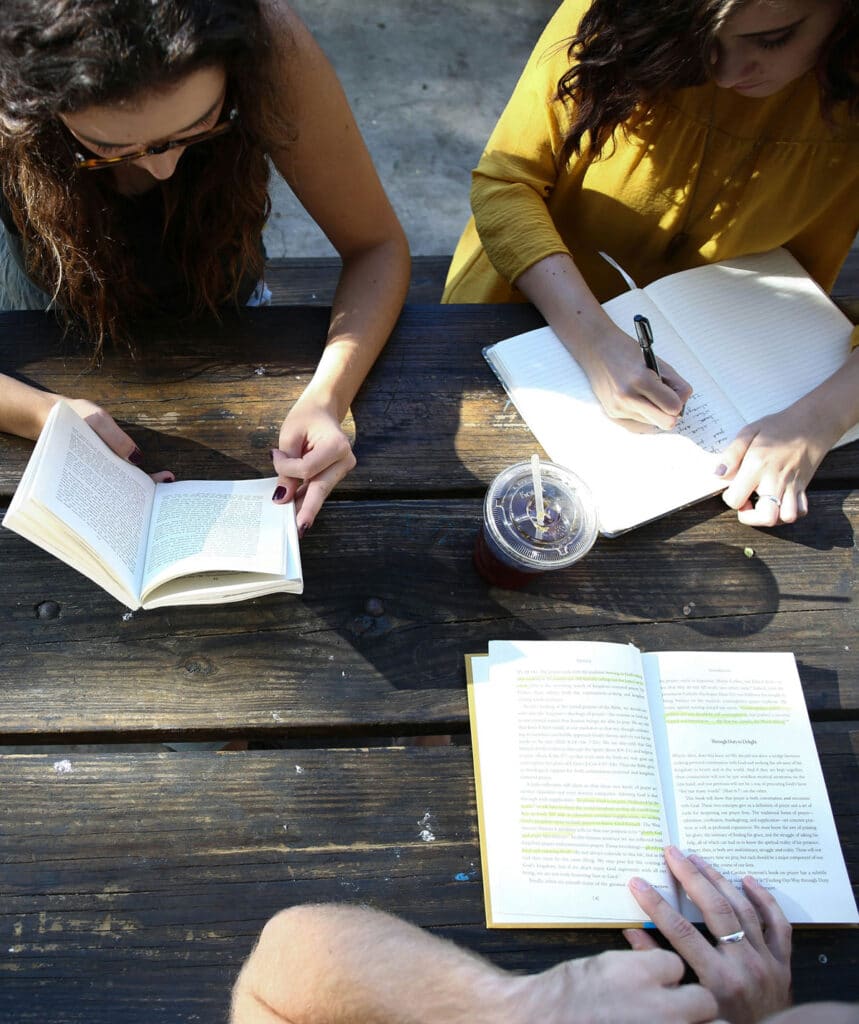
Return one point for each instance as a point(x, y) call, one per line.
point(539, 513)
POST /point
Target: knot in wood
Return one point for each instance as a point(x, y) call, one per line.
point(47, 610)
point(198, 666)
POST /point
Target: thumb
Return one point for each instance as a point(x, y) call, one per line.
point(729, 458)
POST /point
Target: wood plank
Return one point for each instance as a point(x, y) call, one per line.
point(392, 603)
point(311, 281)
point(134, 885)
point(207, 401)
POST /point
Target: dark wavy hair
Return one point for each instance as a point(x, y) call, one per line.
point(61, 56)
point(626, 56)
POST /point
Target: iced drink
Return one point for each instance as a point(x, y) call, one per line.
point(517, 541)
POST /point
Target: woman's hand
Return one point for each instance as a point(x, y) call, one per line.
point(626, 388)
point(750, 978)
point(114, 436)
point(774, 458)
point(312, 457)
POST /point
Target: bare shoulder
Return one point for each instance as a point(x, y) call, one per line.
point(288, 36)
point(299, 68)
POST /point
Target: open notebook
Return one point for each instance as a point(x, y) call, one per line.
point(752, 335)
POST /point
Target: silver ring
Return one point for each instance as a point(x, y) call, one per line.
point(770, 497)
point(733, 937)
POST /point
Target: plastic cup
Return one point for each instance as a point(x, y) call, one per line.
point(516, 543)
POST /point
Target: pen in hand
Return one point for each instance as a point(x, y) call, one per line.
point(645, 340)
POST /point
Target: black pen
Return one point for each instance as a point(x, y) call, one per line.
point(645, 340)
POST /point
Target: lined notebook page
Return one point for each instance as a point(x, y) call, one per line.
point(761, 326)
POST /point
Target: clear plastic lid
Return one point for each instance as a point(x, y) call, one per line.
point(569, 524)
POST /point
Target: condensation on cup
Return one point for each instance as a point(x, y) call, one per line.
point(517, 541)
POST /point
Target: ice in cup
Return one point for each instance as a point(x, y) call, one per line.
point(517, 541)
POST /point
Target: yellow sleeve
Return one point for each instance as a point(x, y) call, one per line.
point(519, 166)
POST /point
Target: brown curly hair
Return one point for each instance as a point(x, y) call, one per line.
point(60, 56)
point(626, 56)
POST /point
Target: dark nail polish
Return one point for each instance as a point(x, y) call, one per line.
point(136, 457)
point(279, 494)
point(721, 470)
point(303, 529)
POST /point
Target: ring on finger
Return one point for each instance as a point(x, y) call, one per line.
point(733, 937)
point(770, 497)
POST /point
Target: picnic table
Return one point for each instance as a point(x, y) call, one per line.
point(134, 877)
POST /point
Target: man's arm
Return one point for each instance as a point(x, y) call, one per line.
point(335, 964)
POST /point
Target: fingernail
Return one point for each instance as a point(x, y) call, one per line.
point(639, 884)
point(279, 494)
point(721, 469)
point(272, 452)
point(672, 851)
point(303, 529)
point(136, 457)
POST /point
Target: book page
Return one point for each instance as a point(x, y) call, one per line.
point(748, 789)
point(98, 504)
point(763, 328)
point(214, 525)
point(569, 786)
point(634, 477)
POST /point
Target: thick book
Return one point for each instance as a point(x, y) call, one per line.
point(148, 544)
point(751, 335)
point(590, 758)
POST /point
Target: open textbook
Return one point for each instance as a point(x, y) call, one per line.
point(189, 542)
point(590, 758)
point(751, 335)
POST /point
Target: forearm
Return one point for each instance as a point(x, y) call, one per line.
point(556, 287)
point(23, 409)
point(366, 305)
point(341, 964)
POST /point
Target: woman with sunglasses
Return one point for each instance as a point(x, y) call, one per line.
point(671, 134)
point(136, 138)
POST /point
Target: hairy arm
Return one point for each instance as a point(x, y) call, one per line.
point(336, 964)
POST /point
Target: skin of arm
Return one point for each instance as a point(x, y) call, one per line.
point(331, 172)
point(334, 964)
point(612, 360)
point(778, 455)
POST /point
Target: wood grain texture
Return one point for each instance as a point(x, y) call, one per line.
point(133, 886)
point(207, 400)
point(324, 663)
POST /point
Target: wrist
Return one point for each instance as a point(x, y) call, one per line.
point(24, 409)
point(322, 396)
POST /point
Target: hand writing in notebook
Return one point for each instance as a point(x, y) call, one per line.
point(771, 461)
point(625, 387)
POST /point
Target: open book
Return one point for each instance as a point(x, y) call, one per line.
point(189, 542)
point(591, 757)
point(751, 335)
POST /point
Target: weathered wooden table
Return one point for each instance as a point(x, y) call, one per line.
point(133, 882)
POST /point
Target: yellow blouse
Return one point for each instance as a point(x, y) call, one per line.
point(739, 175)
